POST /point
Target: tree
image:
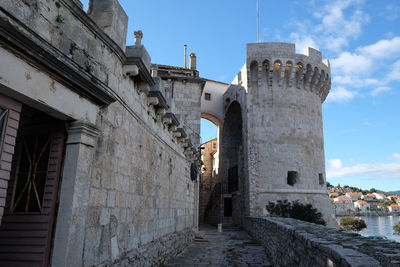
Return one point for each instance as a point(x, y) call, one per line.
point(352, 223)
point(295, 210)
point(328, 184)
point(372, 190)
point(396, 228)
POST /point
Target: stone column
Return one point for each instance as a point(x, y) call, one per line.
point(74, 195)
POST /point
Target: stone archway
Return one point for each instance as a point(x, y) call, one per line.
point(232, 166)
point(210, 191)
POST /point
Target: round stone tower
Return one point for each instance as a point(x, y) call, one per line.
point(283, 144)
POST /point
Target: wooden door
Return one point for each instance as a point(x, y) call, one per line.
point(27, 225)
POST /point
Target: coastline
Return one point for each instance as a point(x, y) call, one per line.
point(369, 213)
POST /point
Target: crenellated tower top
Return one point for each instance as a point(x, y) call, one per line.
point(278, 65)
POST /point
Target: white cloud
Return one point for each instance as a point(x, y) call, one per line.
point(394, 74)
point(382, 49)
point(337, 27)
point(351, 63)
point(340, 94)
point(391, 12)
point(355, 81)
point(339, 22)
point(379, 90)
point(335, 163)
point(355, 69)
point(396, 155)
point(335, 43)
point(370, 68)
point(385, 170)
point(302, 41)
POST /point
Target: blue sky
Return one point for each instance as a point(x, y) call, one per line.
point(360, 38)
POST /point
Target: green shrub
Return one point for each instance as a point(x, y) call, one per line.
point(352, 223)
point(295, 210)
point(396, 228)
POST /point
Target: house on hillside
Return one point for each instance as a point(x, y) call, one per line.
point(380, 196)
point(362, 205)
point(354, 196)
point(368, 197)
point(342, 198)
point(393, 197)
point(333, 195)
point(394, 208)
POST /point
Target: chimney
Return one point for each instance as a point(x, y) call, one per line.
point(192, 63)
point(185, 55)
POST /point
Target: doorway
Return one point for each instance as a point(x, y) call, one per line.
point(30, 210)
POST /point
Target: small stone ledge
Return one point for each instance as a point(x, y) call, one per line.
point(172, 120)
point(161, 103)
point(142, 74)
point(290, 242)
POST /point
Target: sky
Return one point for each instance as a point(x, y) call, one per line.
point(361, 38)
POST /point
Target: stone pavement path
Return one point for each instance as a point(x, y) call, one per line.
point(232, 247)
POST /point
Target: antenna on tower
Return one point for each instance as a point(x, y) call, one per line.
point(258, 25)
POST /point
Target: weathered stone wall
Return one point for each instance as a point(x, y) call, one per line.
point(126, 185)
point(140, 189)
point(185, 95)
point(290, 242)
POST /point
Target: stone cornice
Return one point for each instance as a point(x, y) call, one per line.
point(173, 118)
point(162, 103)
point(16, 36)
point(144, 74)
point(182, 131)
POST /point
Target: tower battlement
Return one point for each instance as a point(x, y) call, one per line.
point(278, 64)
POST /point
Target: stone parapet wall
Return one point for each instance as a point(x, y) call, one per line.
point(156, 253)
point(368, 213)
point(290, 242)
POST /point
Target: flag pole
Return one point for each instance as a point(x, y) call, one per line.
point(258, 25)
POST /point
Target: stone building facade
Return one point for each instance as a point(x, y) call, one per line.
point(100, 147)
point(96, 167)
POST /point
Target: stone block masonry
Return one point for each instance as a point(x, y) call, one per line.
point(290, 242)
point(126, 196)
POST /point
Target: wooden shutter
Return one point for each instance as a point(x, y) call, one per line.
point(25, 237)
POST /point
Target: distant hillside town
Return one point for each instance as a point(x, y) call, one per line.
point(349, 200)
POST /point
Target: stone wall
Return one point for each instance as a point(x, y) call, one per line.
point(126, 185)
point(185, 95)
point(290, 242)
